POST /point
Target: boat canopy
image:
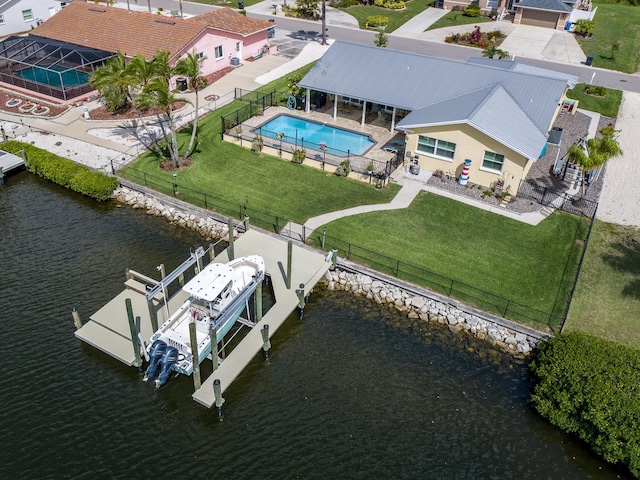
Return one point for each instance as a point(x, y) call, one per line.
point(211, 282)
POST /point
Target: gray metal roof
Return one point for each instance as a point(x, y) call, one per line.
point(550, 5)
point(482, 109)
point(411, 82)
point(572, 80)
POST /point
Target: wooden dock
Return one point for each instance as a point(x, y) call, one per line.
point(307, 267)
point(108, 329)
point(9, 161)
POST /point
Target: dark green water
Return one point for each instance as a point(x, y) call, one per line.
point(348, 392)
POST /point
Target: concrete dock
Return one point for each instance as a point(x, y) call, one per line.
point(308, 267)
point(108, 329)
point(9, 161)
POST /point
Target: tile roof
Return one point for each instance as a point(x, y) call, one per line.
point(229, 20)
point(137, 33)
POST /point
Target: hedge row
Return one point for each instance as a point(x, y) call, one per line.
point(591, 387)
point(63, 171)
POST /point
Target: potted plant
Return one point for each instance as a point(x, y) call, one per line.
point(298, 156)
point(257, 143)
point(499, 186)
point(369, 168)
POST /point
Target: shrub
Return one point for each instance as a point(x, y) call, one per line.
point(590, 387)
point(389, 4)
point(473, 10)
point(344, 169)
point(585, 27)
point(376, 21)
point(298, 156)
point(64, 172)
point(595, 90)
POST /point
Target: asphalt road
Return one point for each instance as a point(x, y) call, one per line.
point(301, 29)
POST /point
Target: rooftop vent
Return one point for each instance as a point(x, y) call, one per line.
point(166, 22)
point(99, 10)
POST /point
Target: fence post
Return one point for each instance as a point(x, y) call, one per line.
point(349, 252)
point(451, 287)
point(277, 226)
point(506, 309)
point(324, 236)
point(397, 267)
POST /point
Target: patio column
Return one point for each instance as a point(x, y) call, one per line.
point(393, 120)
point(364, 111)
point(335, 106)
point(307, 105)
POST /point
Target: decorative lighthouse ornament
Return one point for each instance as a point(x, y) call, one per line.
point(464, 176)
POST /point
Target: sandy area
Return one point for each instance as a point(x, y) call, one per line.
point(620, 197)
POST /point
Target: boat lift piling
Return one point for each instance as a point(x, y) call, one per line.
point(76, 318)
point(196, 355)
point(230, 247)
point(134, 334)
point(266, 343)
point(301, 299)
point(257, 304)
point(289, 258)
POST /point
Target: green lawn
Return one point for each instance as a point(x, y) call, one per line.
point(396, 17)
point(607, 105)
point(231, 175)
point(607, 299)
point(453, 19)
point(614, 23)
point(523, 263)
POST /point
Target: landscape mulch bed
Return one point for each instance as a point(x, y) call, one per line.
point(54, 110)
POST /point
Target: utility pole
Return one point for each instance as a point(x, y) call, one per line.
point(324, 22)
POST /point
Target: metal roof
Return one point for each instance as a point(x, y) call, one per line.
point(549, 5)
point(411, 82)
point(572, 80)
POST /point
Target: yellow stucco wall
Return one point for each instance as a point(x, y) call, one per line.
point(470, 143)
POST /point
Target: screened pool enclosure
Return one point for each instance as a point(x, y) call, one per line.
point(49, 67)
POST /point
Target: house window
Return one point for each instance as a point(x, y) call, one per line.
point(200, 55)
point(237, 46)
point(218, 53)
point(493, 161)
point(1, 19)
point(27, 15)
point(435, 147)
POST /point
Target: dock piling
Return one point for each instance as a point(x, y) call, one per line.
point(266, 344)
point(212, 253)
point(334, 257)
point(76, 318)
point(324, 236)
point(246, 223)
point(194, 352)
point(127, 274)
point(289, 258)
point(217, 392)
point(134, 333)
point(301, 299)
point(230, 248)
point(1, 176)
point(257, 303)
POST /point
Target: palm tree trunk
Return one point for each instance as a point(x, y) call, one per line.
point(194, 129)
point(175, 155)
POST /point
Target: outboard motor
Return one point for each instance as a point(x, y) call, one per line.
point(167, 361)
point(155, 353)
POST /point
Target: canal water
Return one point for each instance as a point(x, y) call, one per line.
point(348, 392)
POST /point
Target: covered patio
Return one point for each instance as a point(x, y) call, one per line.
point(49, 67)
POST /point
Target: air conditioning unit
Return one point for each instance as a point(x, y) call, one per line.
point(235, 61)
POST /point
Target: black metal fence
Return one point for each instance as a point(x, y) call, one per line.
point(171, 187)
point(550, 197)
point(551, 321)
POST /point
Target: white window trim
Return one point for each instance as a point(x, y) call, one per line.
point(217, 59)
point(490, 170)
point(32, 17)
point(433, 155)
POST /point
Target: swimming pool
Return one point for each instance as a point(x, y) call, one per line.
point(340, 142)
point(70, 78)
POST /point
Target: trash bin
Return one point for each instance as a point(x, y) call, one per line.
point(181, 84)
point(589, 60)
point(567, 26)
point(240, 5)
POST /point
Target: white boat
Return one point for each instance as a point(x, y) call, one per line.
point(217, 297)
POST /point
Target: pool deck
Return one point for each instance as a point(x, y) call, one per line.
point(376, 128)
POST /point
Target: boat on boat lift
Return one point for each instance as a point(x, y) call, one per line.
point(217, 297)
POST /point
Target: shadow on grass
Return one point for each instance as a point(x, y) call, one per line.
point(626, 258)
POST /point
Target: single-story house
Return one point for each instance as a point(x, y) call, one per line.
point(497, 113)
point(222, 37)
point(538, 13)
point(18, 16)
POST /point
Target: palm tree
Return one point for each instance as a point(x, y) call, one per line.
point(595, 153)
point(113, 81)
point(190, 67)
point(158, 94)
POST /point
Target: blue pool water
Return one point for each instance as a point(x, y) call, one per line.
point(70, 78)
point(338, 140)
